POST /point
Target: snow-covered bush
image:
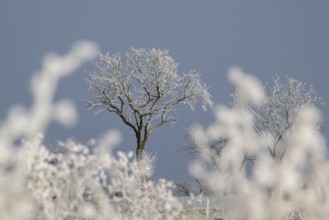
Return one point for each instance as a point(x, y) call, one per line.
point(84, 184)
point(293, 187)
point(16, 200)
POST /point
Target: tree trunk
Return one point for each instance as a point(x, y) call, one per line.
point(139, 156)
point(142, 139)
point(139, 152)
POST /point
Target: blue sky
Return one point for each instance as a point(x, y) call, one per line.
point(265, 38)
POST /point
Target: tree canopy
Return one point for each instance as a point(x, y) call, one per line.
point(145, 90)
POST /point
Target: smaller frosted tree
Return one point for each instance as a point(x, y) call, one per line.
point(289, 179)
point(277, 116)
point(144, 91)
point(274, 118)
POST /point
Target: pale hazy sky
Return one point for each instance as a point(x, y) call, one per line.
point(264, 38)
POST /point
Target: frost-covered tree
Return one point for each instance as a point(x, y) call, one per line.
point(291, 185)
point(275, 117)
point(144, 91)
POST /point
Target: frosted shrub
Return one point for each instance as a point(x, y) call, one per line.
point(134, 199)
point(25, 123)
point(293, 187)
point(63, 184)
point(67, 184)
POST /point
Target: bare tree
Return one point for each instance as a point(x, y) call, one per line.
point(211, 149)
point(144, 91)
point(276, 117)
point(188, 188)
